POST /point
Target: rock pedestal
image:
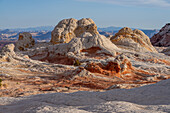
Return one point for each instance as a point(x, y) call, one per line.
point(25, 41)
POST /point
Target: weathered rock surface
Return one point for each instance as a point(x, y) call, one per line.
point(87, 43)
point(71, 28)
point(147, 99)
point(25, 41)
point(117, 67)
point(162, 38)
point(166, 51)
point(7, 53)
point(133, 40)
point(93, 74)
point(88, 62)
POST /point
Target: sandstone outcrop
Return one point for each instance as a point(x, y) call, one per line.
point(71, 28)
point(162, 38)
point(91, 44)
point(7, 53)
point(117, 67)
point(25, 41)
point(88, 62)
point(133, 40)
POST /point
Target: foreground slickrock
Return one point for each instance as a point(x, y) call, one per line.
point(146, 99)
point(134, 40)
point(162, 38)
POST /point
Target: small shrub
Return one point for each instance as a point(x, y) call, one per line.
point(0, 82)
point(77, 63)
point(4, 85)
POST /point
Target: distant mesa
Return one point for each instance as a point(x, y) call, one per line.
point(25, 41)
point(135, 40)
point(162, 38)
point(70, 28)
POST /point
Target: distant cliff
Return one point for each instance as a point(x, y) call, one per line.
point(162, 38)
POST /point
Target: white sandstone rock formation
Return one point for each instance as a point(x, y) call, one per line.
point(135, 40)
point(80, 59)
point(7, 53)
point(71, 28)
point(76, 45)
point(25, 41)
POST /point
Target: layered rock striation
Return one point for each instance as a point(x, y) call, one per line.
point(117, 67)
point(147, 99)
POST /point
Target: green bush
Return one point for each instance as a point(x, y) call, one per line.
point(77, 63)
point(0, 82)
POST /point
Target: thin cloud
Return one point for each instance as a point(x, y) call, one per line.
point(159, 3)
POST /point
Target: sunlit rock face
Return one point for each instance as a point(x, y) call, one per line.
point(25, 41)
point(7, 53)
point(162, 38)
point(78, 37)
point(117, 67)
point(71, 28)
point(88, 62)
point(96, 45)
point(135, 40)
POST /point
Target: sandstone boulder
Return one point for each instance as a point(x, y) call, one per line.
point(133, 40)
point(70, 28)
point(163, 37)
point(7, 52)
point(9, 48)
point(25, 41)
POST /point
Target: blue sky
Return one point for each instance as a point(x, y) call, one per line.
point(148, 14)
